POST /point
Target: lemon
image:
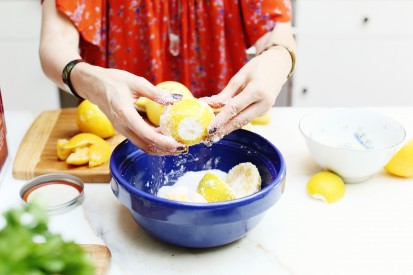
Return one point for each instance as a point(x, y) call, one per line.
point(80, 156)
point(244, 179)
point(213, 189)
point(90, 119)
point(81, 140)
point(326, 186)
point(84, 148)
point(401, 164)
point(262, 120)
point(99, 153)
point(62, 152)
point(187, 121)
point(155, 110)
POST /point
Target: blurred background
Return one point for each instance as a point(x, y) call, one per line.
point(349, 53)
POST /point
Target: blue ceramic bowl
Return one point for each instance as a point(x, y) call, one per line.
point(137, 176)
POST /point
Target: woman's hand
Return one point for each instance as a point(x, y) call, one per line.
point(250, 93)
point(115, 92)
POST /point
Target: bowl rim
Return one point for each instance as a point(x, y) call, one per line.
point(347, 109)
point(277, 182)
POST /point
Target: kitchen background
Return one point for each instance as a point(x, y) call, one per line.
point(350, 53)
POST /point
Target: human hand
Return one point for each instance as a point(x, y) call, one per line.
point(250, 93)
point(115, 92)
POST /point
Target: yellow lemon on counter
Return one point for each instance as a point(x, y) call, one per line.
point(155, 110)
point(84, 148)
point(262, 120)
point(187, 121)
point(213, 189)
point(326, 186)
point(401, 164)
point(90, 119)
point(244, 179)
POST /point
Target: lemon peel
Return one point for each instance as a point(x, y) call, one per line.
point(187, 121)
point(153, 109)
point(326, 186)
point(90, 119)
point(401, 164)
point(244, 179)
point(213, 189)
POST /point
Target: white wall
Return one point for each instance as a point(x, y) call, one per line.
point(22, 82)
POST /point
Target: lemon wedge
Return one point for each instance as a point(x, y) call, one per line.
point(244, 179)
point(326, 186)
point(213, 189)
point(84, 148)
point(187, 121)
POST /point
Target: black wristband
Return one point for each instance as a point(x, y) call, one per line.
point(66, 76)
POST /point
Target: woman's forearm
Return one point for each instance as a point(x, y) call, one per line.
point(59, 42)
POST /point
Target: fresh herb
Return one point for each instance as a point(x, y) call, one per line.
point(27, 247)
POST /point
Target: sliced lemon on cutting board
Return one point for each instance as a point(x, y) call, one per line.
point(401, 164)
point(213, 189)
point(187, 121)
point(84, 148)
point(326, 186)
point(244, 179)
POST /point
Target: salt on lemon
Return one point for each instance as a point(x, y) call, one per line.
point(401, 164)
point(187, 121)
point(153, 109)
point(326, 186)
point(244, 179)
point(213, 189)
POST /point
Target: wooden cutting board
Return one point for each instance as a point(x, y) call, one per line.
point(37, 152)
point(100, 255)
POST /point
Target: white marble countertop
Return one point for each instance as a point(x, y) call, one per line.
point(369, 231)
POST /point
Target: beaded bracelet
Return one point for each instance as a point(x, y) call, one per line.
point(290, 51)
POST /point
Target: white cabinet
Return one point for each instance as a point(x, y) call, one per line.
point(24, 85)
point(353, 53)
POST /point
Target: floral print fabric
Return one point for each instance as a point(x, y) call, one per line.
point(135, 35)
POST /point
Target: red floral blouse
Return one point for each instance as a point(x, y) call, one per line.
point(200, 43)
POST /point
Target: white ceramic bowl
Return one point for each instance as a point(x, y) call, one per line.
point(351, 142)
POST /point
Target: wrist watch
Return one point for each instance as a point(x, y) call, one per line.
point(66, 76)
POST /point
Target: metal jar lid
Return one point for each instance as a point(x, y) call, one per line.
point(60, 192)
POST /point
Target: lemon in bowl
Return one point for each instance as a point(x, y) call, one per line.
point(90, 119)
point(187, 121)
point(354, 143)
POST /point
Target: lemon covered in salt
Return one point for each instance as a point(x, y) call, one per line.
point(187, 121)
